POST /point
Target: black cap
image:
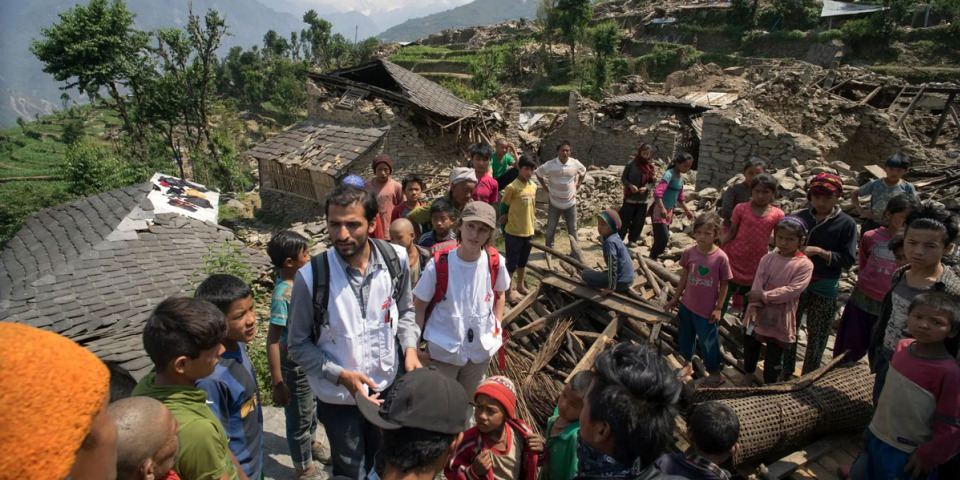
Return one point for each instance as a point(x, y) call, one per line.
point(423, 399)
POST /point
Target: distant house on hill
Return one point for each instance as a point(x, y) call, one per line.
point(358, 113)
point(93, 270)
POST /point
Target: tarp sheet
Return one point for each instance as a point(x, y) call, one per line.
point(840, 9)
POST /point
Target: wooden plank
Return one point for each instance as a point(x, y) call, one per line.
point(542, 321)
point(587, 361)
point(783, 467)
point(663, 273)
point(943, 119)
point(566, 258)
point(647, 273)
point(910, 108)
point(614, 302)
point(870, 96)
point(520, 307)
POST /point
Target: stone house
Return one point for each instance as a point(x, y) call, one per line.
point(92, 270)
point(608, 133)
point(357, 113)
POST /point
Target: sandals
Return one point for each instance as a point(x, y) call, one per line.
point(716, 384)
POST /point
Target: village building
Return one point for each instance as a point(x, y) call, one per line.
point(92, 270)
point(357, 113)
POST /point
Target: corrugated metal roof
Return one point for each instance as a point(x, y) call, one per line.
point(840, 9)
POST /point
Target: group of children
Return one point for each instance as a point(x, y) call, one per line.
point(903, 312)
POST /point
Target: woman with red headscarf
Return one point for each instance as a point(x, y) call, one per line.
point(638, 183)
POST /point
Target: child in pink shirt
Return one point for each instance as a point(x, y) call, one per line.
point(487, 189)
point(876, 265)
point(748, 238)
point(706, 272)
point(771, 315)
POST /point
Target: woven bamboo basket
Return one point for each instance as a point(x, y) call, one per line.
point(837, 400)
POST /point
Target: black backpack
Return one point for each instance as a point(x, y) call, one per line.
point(321, 284)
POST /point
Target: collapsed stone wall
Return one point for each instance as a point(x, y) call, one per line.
point(730, 139)
point(600, 139)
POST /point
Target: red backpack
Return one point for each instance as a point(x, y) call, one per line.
point(441, 254)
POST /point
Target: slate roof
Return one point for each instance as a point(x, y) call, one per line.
point(643, 99)
point(322, 146)
point(396, 83)
point(93, 269)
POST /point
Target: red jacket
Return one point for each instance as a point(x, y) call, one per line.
point(459, 468)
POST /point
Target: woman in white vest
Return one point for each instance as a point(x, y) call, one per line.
point(463, 330)
point(350, 349)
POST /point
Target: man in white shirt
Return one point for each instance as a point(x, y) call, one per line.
point(561, 177)
point(365, 311)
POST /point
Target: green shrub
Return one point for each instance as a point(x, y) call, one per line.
point(91, 169)
point(665, 59)
point(72, 131)
point(226, 258)
point(462, 91)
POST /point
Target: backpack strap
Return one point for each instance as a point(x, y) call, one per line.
point(320, 265)
point(441, 264)
point(393, 265)
point(321, 293)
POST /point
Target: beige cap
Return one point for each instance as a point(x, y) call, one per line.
point(480, 212)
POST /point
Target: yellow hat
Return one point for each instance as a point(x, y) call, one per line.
point(50, 391)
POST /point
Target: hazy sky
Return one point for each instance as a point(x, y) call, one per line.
point(368, 7)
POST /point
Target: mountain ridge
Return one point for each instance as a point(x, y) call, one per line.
point(476, 13)
point(25, 90)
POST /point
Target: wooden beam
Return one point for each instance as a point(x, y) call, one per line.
point(599, 344)
point(943, 119)
point(520, 307)
point(566, 258)
point(913, 105)
point(542, 321)
point(663, 273)
point(870, 96)
point(614, 302)
point(654, 284)
point(786, 465)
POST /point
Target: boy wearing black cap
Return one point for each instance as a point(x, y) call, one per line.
point(422, 422)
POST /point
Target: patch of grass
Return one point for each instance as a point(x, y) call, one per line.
point(419, 52)
point(919, 75)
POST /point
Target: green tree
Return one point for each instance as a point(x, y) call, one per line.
point(797, 14)
point(274, 44)
point(317, 36)
point(606, 40)
point(95, 47)
point(570, 18)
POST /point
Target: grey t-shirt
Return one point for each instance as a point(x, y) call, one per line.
point(901, 296)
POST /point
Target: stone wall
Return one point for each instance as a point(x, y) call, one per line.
point(728, 141)
point(289, 208)
point(824, 54)
point(598, 139)
point(875, 140)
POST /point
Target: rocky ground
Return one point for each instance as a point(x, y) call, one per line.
point(276, 456)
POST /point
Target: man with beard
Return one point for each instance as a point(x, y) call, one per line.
point(349, 307)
